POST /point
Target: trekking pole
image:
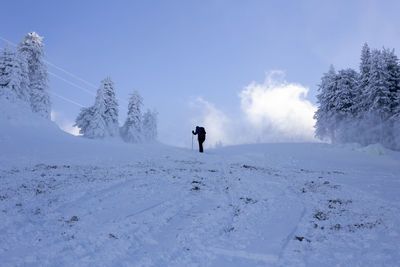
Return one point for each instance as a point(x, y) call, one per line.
point(192, 142)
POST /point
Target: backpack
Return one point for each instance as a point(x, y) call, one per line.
point(201, 131)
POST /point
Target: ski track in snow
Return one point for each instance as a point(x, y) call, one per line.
point(188, 209)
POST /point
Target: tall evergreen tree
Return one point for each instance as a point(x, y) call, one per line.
point(392, 125)
point(344, 106)
point(89, 125)
point(13, 76)
point(324, 127)
point(31, 49)
point(100, 120)
point(9, 87)
point(110, 107)
point(391, 64)
point(377, 94)
point(365, 64)
point(375, 101)
point(131, 131)
point(365, 70)
point(150, 126)
point(347, 84)
point(395, 128)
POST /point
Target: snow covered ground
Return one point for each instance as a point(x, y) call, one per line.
point(69, 201)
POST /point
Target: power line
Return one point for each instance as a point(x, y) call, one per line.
point(71, 83)
point(77, 86)
point(67, 99)
point(70, 74)
point(57, 67)
point(8, 41)
point(61, 69)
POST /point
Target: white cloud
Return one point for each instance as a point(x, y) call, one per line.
point(279, 109)
point(274, 111)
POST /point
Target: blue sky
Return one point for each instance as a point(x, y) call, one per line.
point(192, 58)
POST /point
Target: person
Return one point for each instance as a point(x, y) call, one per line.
point(201, 136)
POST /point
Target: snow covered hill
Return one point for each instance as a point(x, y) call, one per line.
point(66, 200)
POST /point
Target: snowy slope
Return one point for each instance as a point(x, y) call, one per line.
point(28, 138)
point(69, 201)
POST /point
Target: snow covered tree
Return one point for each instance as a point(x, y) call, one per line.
point(324, 127)
point(91, 123)
point(347, 84)
point(345, 107)
point(9, 75)
point(131, 131)
point(393, 71)
point(150, 126)
point(13, 76)
point(377, 99)
point(365, 68)
point(365, 65)
point(377, 92)
point(110, 107)
point(362, 108)
point(89, 126)
point(100, 120)
point(395, 124)
point(394, 142)
point(391, 134)
point(337, 106)
point(31, 50)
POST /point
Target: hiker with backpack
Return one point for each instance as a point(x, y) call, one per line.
point(201, 136)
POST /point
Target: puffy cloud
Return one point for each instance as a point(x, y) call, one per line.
point(278, 110)
point(273, 111)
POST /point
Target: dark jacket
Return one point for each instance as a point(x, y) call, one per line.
point(200, 131)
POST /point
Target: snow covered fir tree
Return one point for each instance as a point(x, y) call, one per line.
point(149, 126)
point(31, 50)
point(13, 76)
point(138, 127)
point(101, 119)
point(131, 131)
point(364, 107)
point(24, 76)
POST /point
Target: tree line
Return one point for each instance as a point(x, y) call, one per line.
point(364, 106)
point(101, 119)
point(24, 80)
